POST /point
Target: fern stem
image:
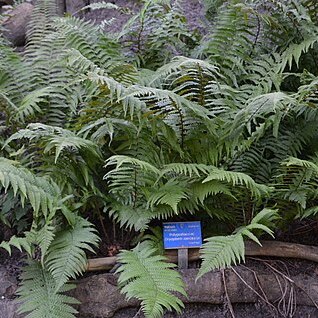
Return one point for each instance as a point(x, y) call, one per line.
point(257, 35)
point(135, 188)
point(201, 79)
point(181, 117)
point(103, 226)
point(142, 25)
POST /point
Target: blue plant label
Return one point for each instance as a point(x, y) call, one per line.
point(182, 235)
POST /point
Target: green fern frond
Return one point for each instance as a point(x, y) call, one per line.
point(294, 52)
point(132, 217)
point(171, 194)
point(309, 212)
point(35, 238)
point(154, 239)
point(187, 169)
point(182, 63)
point(224, 251)
point(21, 243)
point(272, 106)
point(266, 217)
point(56, 138)
point(231, 34)
point(42, 193)
point(176, 102)
point(43, 238)
point(101, 5)
point(66, 254)
point(117, 93)
point(149, 278)
point(128, 181)
point(99, 129)
point(203, 190)
point(238, 178)
point(221, 252)
point(120, 160)
point(292, 161)
point(30, 105)
point(40, 298)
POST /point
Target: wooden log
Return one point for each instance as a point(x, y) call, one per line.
point(100, 264)
point(282, 249)
point(268, 249)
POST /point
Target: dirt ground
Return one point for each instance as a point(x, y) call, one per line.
point(213, 311)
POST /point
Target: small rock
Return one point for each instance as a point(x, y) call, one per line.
point(8, 284)
point(16, 24)
point(8, 309)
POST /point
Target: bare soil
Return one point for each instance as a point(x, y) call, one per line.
point(201, 310)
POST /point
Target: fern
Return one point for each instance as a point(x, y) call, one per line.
point(219, 131)
point(66, 257)
point(39, 296)
point(156, 32)
point(171, 194)
point(237, 178)
point(295, 51)
point(40, 238)
point(101, 5)
point(121, 160)
point(44, 238)
point(30, 104)
point(223, 251)
point(43, 194)
point(135, 217)
point(145, 276)
point(232, 34)
point(56, 138)
point(155, 239)
point(21, 243)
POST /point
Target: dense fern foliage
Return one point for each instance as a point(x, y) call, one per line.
point(157, 122)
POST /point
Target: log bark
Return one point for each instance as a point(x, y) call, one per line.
point(268, 249)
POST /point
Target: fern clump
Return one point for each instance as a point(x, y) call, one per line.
point(155, 123)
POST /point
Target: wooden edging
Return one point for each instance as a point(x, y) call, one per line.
point(268, 248)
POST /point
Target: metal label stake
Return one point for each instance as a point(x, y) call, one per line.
point(183, 258)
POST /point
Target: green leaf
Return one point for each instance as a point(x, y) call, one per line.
point(221, 252)
point(42, 193)
point(39, 297)
point(170, 194)
point(147, 277)
point(66, 255)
